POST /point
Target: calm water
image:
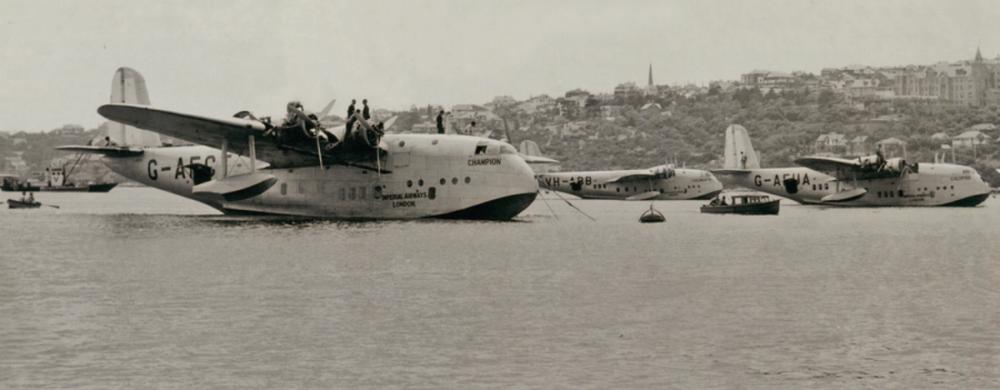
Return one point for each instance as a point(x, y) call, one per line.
point(140, 289)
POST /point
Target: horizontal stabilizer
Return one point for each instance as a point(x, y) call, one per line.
point(236, 188)
point(537, 159)
point(844, 196)
point(110, 151)
point(644, 196)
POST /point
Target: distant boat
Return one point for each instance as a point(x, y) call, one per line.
point(27, 187)
point(651, 216)
point(56, 181)
point(20, 204)
point(746, 205)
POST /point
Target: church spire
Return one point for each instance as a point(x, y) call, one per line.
point(979, 56)
point(650, 73)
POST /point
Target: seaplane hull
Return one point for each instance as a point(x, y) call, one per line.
point(424, 182)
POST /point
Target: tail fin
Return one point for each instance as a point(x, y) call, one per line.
point(326, 110)
point(530, 148)
point(532, 155)
point(738, 147)
point(129, 87)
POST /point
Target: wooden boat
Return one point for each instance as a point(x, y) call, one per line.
point(20, 204)
point(746, 205)
point(651, 216)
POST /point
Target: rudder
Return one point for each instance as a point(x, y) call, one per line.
point(129, 87)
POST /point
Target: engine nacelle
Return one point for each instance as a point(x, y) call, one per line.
point(663, 173)
point(895, 164)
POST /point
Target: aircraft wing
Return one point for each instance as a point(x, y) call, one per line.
point(110, 151)
point(732, 172)
point(212, 132)
point(843, 169)
point(624, 176)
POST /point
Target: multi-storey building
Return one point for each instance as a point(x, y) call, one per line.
point(973, 83)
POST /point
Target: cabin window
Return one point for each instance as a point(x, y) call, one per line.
point(468, 180)
point(443, 181)
point(454, 180)
point(420, 183)
point(284, 188)
point(342, 192)
point(362, 192)
point(618, 189)
point(431, 193)
point(353, 193)
point(409, 183)
point(302, 187)
point(827, 186)
point(878, 194)
point(900, 193)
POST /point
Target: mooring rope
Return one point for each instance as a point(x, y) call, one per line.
point(571, 205)
point(547, 204)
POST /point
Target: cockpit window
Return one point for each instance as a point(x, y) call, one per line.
point(507, 149)
point(480, 149)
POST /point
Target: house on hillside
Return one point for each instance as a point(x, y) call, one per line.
point(970, 139)
point(831, 142)
point(985, 128)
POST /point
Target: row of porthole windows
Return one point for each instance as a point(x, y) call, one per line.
point(890, 194)
point(821, 187)
point(636, 189)
point(454, 180)
point(352, 193)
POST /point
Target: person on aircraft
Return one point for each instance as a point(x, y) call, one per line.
point(879, 157)
point(714, 202)
point(364, 112)
point(723, 201)
point(743, 160)
point(470, 128)
point(31, 197)
point(350, 109)
point(440, 122)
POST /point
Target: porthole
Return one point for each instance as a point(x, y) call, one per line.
point(409, 183)
point(401, 143)
point(468, 180)
point(443, 181)
point(420, 183)
point(434, 142)
point(454, 180)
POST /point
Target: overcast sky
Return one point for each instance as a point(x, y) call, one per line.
point(220, 57)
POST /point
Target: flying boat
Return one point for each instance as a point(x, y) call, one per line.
point(867, 181)
point(303, 169)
